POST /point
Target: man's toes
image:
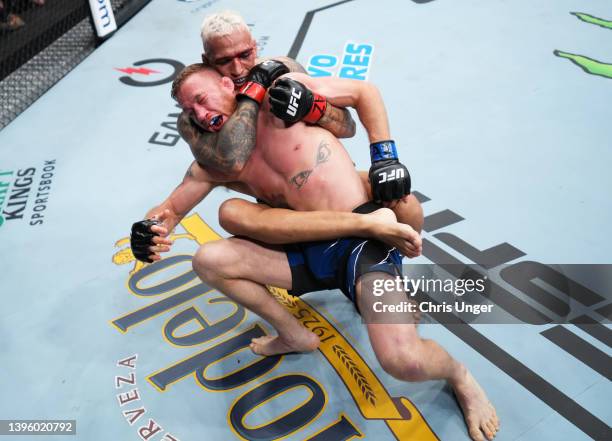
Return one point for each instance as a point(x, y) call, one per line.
point(475, 432)
point(495, 420)
point(490, 429)
point(487, 433)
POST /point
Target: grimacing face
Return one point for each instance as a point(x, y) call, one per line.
point(208, 98)
point(232, 55)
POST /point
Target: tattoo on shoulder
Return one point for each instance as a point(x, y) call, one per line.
point(323, 154)
point(228, 149)
point(237, 139)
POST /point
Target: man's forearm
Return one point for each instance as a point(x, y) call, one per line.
point(372, 113)
point(189, 193)
point(283, 226)
point(338, 121)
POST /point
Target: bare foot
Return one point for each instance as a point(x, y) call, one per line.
point(384, 226)
point(306, 341)
point(478, 411)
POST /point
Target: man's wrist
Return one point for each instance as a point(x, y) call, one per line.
point(366, 226)
point(317, 109)
point(254, 91)
point(383, 150)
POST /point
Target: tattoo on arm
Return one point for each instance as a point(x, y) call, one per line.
point(189, 173)
point(238, 136)
point(229, 149)
point(323, 154)
point(293, 65)
point(338, 121)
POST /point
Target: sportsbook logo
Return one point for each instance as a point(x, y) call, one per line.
point(134, 74)
point(18, 188)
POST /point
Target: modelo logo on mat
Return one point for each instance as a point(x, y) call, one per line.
point(207, 339)
point(354, 62)
point(24, 193)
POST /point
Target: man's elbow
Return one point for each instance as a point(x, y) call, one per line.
point(351, 127)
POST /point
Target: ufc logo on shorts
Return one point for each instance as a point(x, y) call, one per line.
point(293, 102)
point(391, 176)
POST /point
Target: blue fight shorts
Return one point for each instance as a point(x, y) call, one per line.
point(338, 264)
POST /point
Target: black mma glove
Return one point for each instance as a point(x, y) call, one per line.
point(389, 178)
point(261, 76)
point(142, 238)
point(291, 101)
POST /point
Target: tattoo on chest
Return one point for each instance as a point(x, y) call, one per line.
point(323, 154)
point(301, 178)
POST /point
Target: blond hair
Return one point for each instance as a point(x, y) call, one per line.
point(220, 24)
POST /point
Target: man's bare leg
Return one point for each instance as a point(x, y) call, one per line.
point(279, 225)
point(406, 356)
point(240, 269)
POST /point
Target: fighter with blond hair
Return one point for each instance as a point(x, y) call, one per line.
point(231, 50)
point(241, 140)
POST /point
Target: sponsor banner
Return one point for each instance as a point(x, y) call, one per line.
point(25, 193)
point(255, 378)
point(354, 63)
point(103, 17)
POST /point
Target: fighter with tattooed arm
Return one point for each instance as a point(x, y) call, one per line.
point(231, 50)
point(306, 168)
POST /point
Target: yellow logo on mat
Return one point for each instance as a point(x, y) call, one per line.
point(371, 397)
point(369, 394)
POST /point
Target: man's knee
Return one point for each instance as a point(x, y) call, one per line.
point(403, 363)
point(410, 212)
point(213, 260)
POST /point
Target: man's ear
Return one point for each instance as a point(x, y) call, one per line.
point(227, 83)
point(205, 59)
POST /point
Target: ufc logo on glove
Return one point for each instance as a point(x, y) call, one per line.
point(293, 102)
point(392, 175)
